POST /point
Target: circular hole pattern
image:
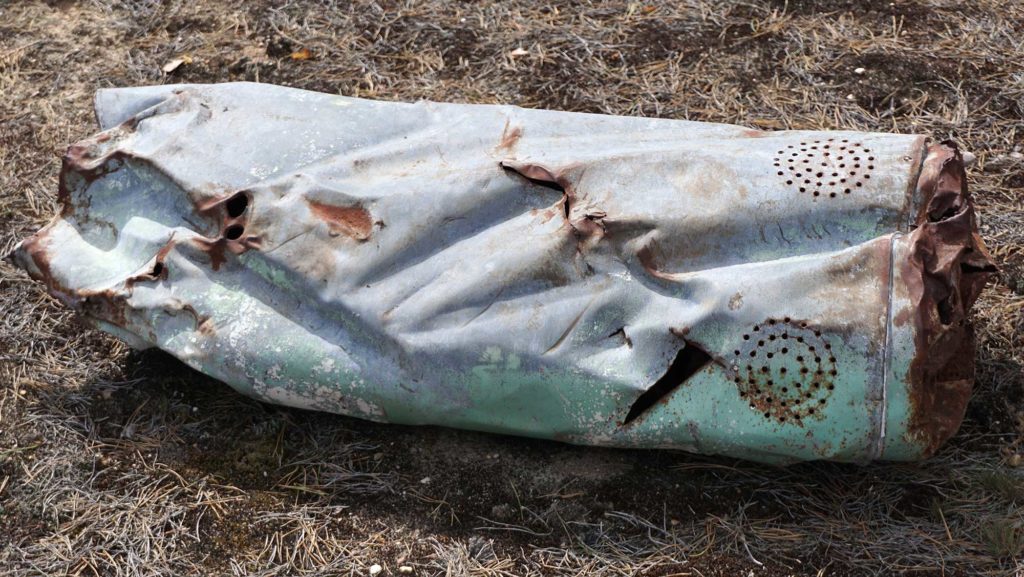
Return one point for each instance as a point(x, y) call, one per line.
point(848, 163)
point(785, 379)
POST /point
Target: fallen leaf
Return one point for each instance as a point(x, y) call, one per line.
point(174, 64)
point(518, 52)
point(302, 54)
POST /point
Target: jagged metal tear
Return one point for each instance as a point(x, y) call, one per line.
point(593, 279)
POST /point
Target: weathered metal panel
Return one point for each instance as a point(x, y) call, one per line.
point(602, 280)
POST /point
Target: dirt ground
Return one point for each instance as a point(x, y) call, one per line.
point(115, 462)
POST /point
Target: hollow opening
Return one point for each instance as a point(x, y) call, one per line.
point(234, 232)
point(546, 183)
point(688, 362)
point(236, 205)
point(967, 268)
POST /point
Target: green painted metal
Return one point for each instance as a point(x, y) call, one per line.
point(598, 280)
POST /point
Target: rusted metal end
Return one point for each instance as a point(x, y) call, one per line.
point(947, 269)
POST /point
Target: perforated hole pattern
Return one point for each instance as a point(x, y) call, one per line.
point(825, 168)
point(785, 370)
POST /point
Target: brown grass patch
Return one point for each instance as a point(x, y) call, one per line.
point(121, 463)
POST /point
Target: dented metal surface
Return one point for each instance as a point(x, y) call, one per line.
point(601, 280)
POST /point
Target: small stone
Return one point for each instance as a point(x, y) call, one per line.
point(425, 481)
point(851, 97)
point(859, 70)
point(405, 569)
point(375, 569)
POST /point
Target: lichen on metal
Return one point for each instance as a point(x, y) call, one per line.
point(628, 282)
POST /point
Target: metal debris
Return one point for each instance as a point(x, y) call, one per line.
point(630, 282)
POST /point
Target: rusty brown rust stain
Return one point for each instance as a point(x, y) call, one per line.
point(648, 255)
point(352, 221)
point(946, 270)
point(510, 136)
point(218, 249)
point(588, 224)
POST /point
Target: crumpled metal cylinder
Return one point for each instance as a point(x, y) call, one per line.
point(628, 282)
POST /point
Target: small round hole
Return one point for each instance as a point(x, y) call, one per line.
point(236, 205)
point(234, 232)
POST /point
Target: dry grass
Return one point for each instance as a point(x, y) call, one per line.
point(121, 463)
